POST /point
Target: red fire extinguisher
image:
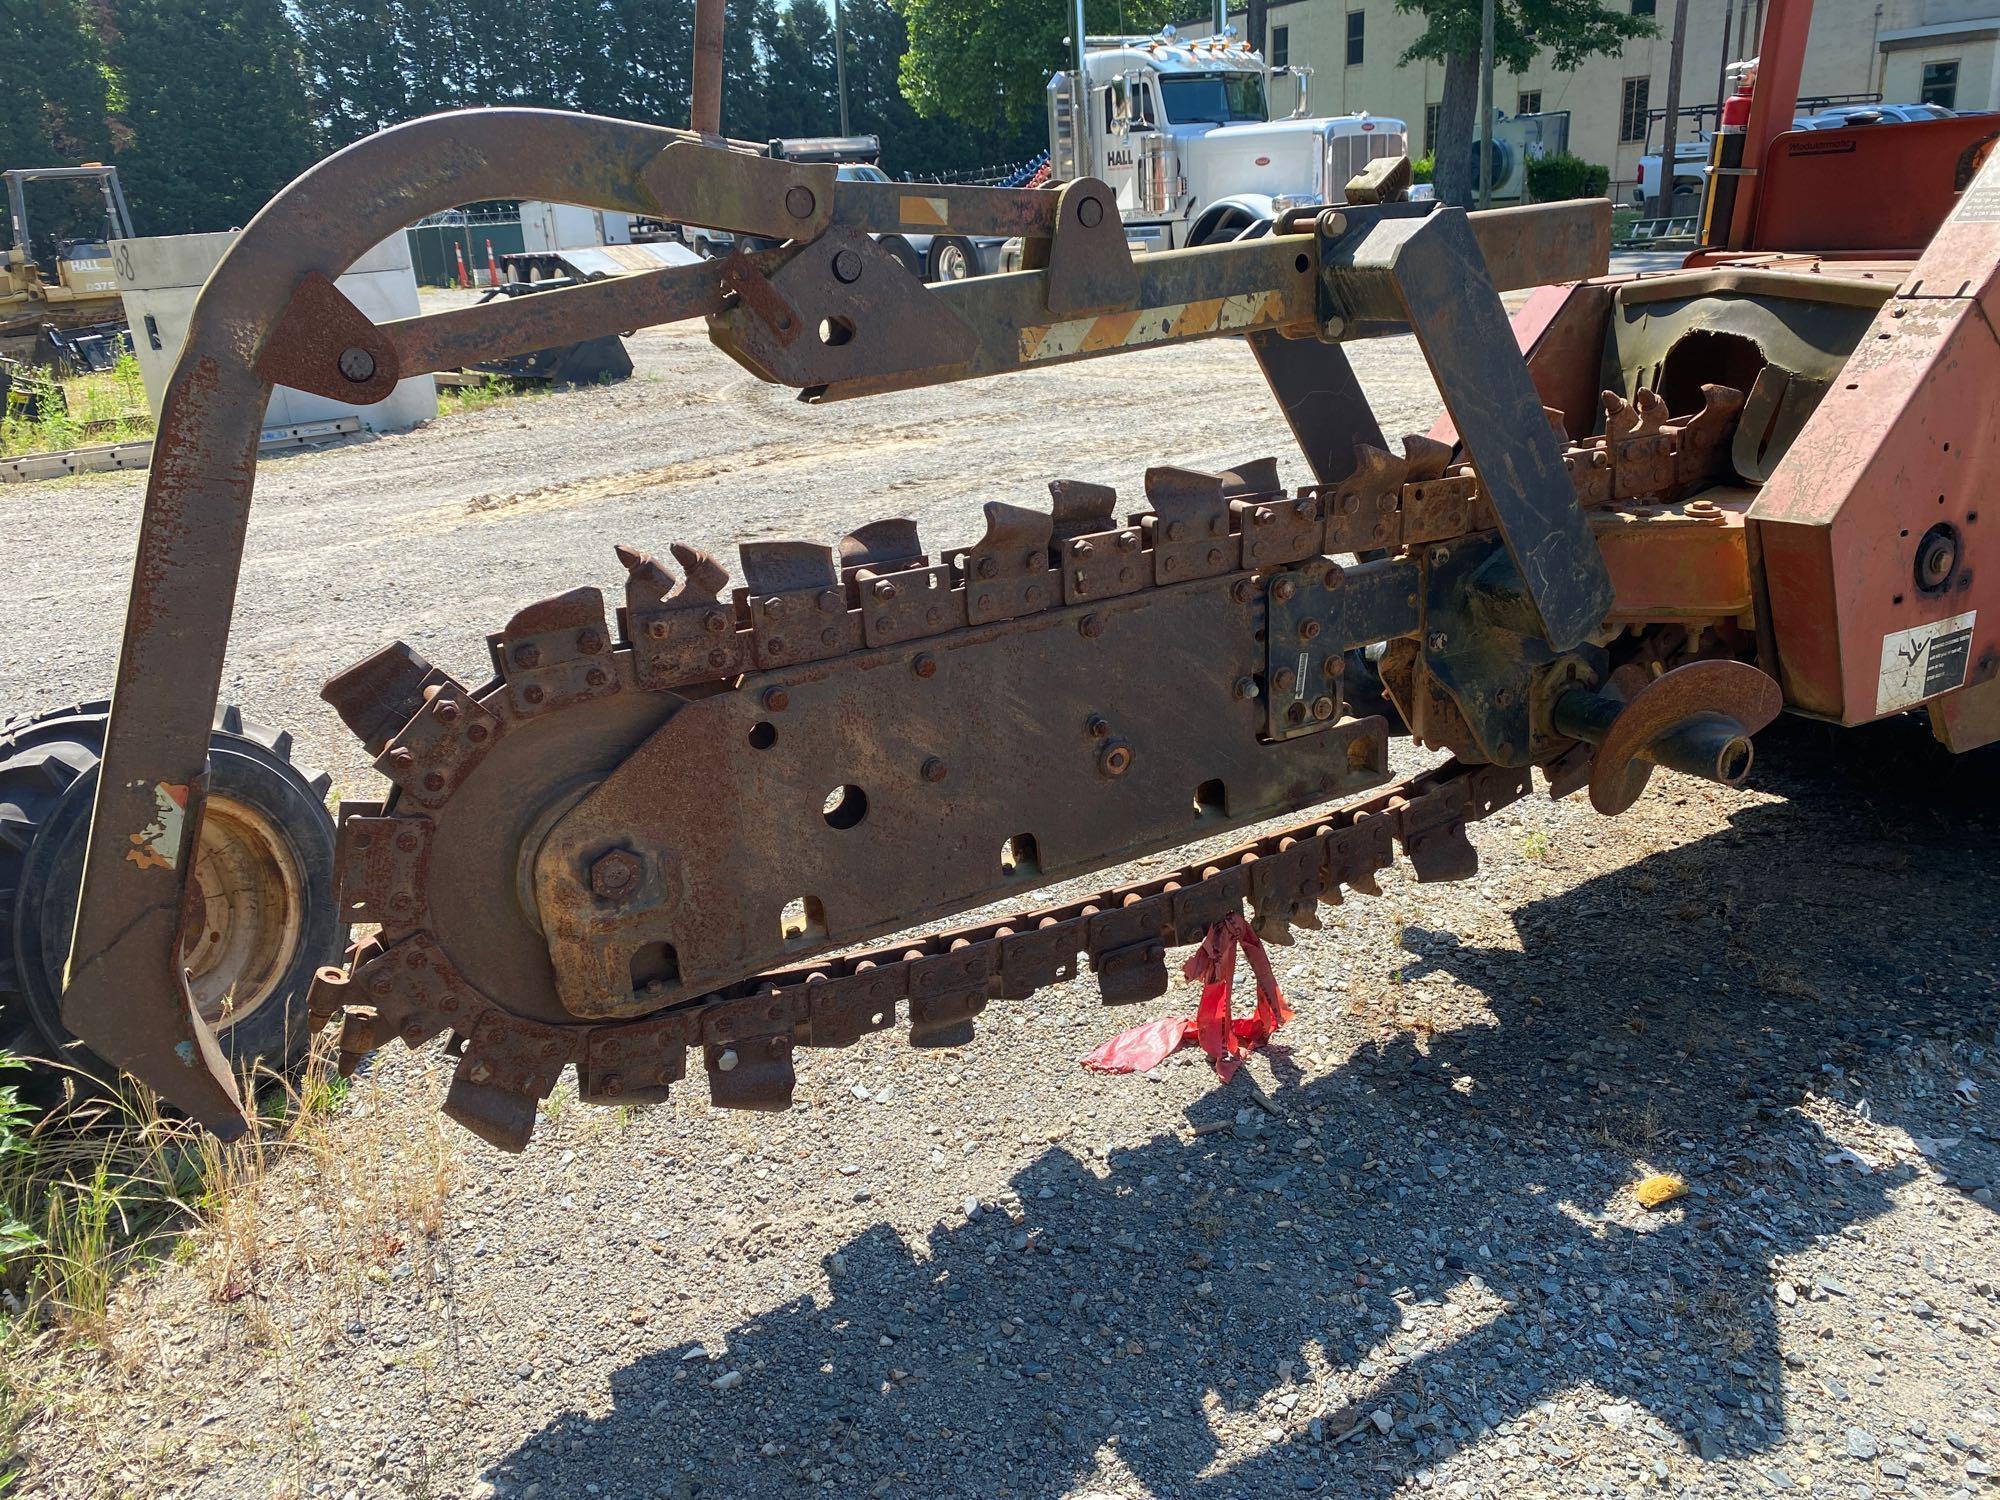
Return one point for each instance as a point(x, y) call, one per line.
point(1725, 162)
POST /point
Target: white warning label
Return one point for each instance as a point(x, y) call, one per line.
point(1923, 661)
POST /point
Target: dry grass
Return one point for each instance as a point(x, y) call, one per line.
point(332, 1187)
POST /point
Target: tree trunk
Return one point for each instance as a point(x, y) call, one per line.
point(1451, 175)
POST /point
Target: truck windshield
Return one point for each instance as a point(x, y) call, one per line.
point(1214, 98)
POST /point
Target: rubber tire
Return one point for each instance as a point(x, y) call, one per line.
point(968, 258)
point(905, 253)
point(48, 780)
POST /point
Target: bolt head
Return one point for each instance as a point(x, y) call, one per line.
point(846, 266)
point(1283, 588)
point(1323, 709)
point(527, 656)
point(935, 770)
point(714, 622)
point(402, 760)
point(657, 629)
point(924, 666)
point(1090, 212)
point(883, 589)
point(357, 366)
point(1309, 630)
point(590, 642)
point(1080, 548)
point(1115, 759)
point(800, 202)
point(777, 699)
point(726, 1060)
point(615, 874)
point(1090, 627)
point(988, 567)
point(1243, 689)
point(446, 711)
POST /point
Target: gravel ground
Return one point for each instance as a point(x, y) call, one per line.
point(1409, 1256)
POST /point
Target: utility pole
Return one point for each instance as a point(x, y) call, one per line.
point(840, 67)
point(706, 107)
point(1486, 104)
point(1663, 205)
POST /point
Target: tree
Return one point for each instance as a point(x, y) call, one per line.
point(986, 63)
point(216, 103)
point(1570, 30)
point(52, 110)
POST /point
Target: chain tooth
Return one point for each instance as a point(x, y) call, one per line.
point(753, 1073)
point(786, 567)
point(1427, 458)
point(1376, 468)
point(1082, 508)
point(1259, 476)
point(885, 546)
point(647, 582)
point(1652, 408)
point(1189, 528)
point(702, 578)
point(1007, 573)
point(375, 698)
point(1620, 417)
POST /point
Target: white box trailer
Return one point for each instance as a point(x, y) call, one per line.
point(547, 227)
point(161, 275)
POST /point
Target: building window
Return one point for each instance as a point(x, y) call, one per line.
point(1632, 109)
point(1357, 23)
point(1431, 113)
point(1940, 84)
point(1642, 7)
point(1530, 102)
point(1281, 46)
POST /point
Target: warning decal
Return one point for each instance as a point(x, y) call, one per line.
point(1923, 661)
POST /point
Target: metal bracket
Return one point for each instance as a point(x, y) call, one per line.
point(1429, 272)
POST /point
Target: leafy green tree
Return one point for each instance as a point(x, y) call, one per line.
point(986, 63)
point(1570, 30)
point(216, 103)
point(52, 110)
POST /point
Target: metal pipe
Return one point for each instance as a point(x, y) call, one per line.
point(1079, 96)
point(706, 112)
point(840, 66)
point(1221, 18)
point(1712, 746)
point(1485, 104)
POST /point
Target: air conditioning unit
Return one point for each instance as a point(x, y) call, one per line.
point(1518, 140)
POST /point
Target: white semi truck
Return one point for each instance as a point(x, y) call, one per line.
point(1178, 127)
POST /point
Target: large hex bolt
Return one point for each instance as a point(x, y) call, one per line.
point(616, 875)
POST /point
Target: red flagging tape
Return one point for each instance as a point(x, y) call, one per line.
point(1222, 1036)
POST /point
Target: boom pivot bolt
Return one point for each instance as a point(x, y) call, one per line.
point(614, 875)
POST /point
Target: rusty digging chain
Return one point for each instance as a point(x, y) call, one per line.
point(681, 633)
point(405, 985)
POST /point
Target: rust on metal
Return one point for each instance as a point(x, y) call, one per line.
point(648, 832)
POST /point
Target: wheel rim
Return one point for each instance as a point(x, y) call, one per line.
point(250, 891)
point(951, 264)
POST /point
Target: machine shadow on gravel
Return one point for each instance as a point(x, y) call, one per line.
point(1666, 1014)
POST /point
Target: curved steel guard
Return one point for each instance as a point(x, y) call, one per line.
point(125, 992)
